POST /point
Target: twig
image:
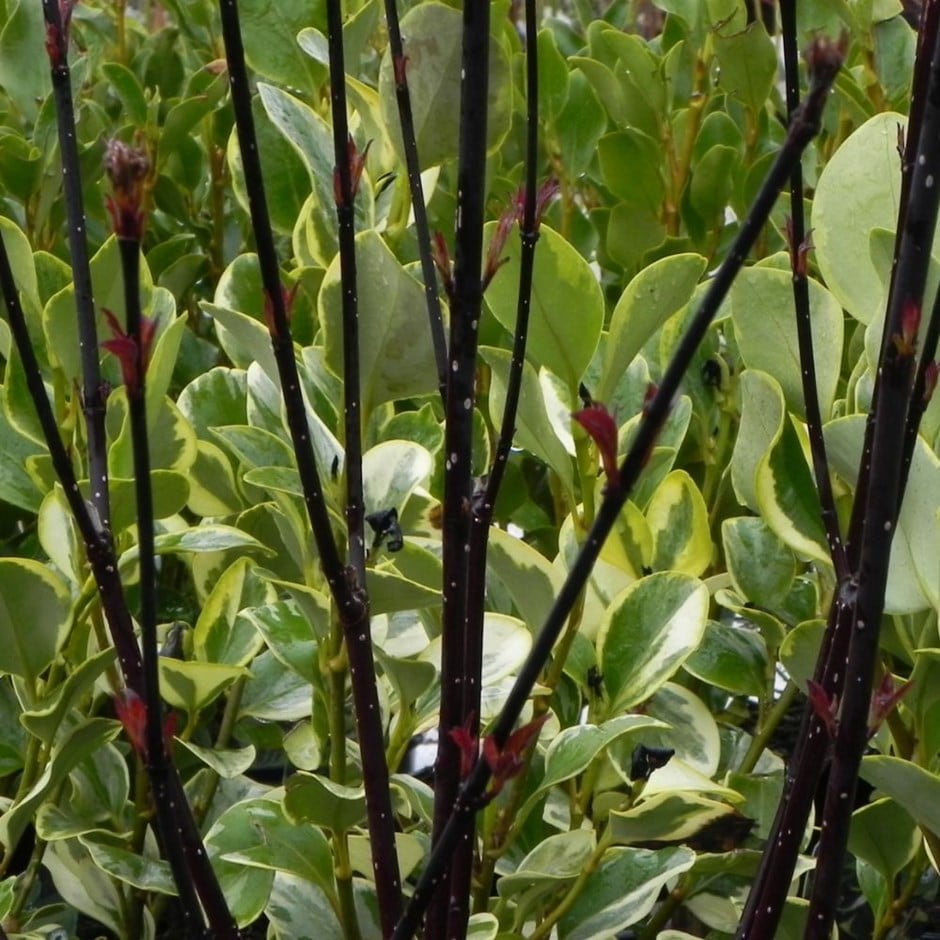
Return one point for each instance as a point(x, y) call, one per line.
point(58, 15)
point(410, 144)
point(798, 253)
point(803, 128)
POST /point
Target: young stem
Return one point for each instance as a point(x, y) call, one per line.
point(410, 145)
point(356, 630)
point(450, 906)
point(93, 398)
point(803, 128)
point(883, 497)
point(798, 250)
point(194, 877)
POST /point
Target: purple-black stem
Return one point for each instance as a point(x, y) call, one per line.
point(93, 396)
point(803, 128)
point(413, 168)
point(466, 308)
point(356, 632)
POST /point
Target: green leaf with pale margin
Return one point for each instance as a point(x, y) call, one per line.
point(396, 358)
point(857, 192)
point(800, 650)
point(172, 440)
point(692, 732)
point(762, 413)
point(533, 428)
point(649, 631)
point(434, 35)
point(391, 471)
point(44, 720)
point(390, 591)
point(732, 658)
point(324, 803)
point(787, 496)
point(914, 567)
point(17, 487)
point(212, 487)
point(622, 890)
point(288, 846)
point(884, 835)
point(228, 763)
point(506, 643)
point(652, 296)
point(555, 860)
point(765, 328)
point(666, 817)
point(275, 693)
point(35, 611)
point(290, 634)
point(243, 339)
point(222, 634)
point(215, 399)
point(529, 577)
point(760, 564)
point(410, 850)
point(567, 305)
point(300, 910)
point(240, 828)
point(678, 520)
point(139, 871)
point(915, 788)
point(192, 685)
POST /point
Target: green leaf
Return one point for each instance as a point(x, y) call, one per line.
point(71, 748)
point(913, 582)
point(649, 631)
point(748, 64)
point(434, 33)
point(731, 657)
point(391, 472)
point(885, 835)
point(291, 635)
point(666, 817)
point(221, 634)
point(622, 891)
point(24, 69)
point(678, 522)
point(692, 732)
point(147, 874)
point(192, 685)
point(553, 76)
point(652, 296)
point(857, 192)
point(215, 399)
point(506, 643)
point(240, 828)
point(228, 763)
point(396, 358)
point(567, 306)
point(300, 910)
point(631, 164)
point(913, 787)
point(276, 693)
point(761, 419)
point(320, 801)
point(390, 591)
point(800, 650)
point(44, 720)
point(760, 564)
point(555, 860)
point(288, 845)
point(533, 428)
point(35, 611)
point(765, 328)
point(270, 37)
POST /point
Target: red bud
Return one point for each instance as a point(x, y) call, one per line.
point(600, 424)
point(125, 348)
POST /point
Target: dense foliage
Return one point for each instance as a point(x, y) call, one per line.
point(642, 782)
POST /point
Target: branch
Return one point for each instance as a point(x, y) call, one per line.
point(466, 306)
point(883, 497)
point(410, 143)
point(357, 634)
point(803, 128)
point(798, 251)
point(58, 14)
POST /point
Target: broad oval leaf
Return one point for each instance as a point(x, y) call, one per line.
point(567, 305)
point(649, 631)
point(678, 520)
point(760, 564)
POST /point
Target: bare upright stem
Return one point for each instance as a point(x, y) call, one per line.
point(93, 397)
point(410, 144)
point(466, 306)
